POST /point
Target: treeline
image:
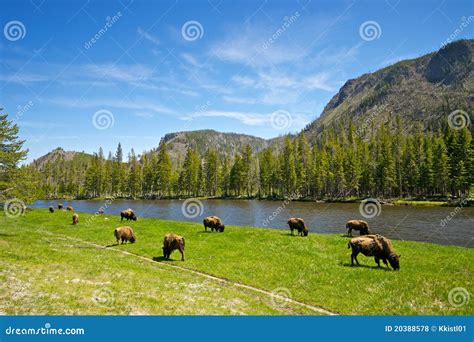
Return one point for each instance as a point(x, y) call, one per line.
point(339, 165)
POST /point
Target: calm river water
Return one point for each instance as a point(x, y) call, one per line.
point(396, 222)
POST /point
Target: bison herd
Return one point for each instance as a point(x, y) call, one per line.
point(371, 245)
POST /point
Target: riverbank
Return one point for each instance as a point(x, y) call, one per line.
point(57, 268)
point(468, 201)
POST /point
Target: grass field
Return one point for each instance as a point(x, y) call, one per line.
point(48, 266)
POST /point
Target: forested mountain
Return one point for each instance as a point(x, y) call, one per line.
point(224, 143)
point(423, 90)
point(386, 134)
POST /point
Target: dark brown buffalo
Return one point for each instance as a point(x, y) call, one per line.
point(213, 222)
point(298, 224)
point(75, 219)
point(360, 225)
point(51, 209)
point(171, 243)
point(69, 208)
point(377, 246)
point(128, 215)
point(124, 234)
point(60, 206)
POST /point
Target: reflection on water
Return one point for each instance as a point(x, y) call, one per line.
point(397, 222)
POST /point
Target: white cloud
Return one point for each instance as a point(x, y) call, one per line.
point(148, 36)
point(139, 105)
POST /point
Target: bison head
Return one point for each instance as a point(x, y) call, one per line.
point(134, 217)
point(221, 228)
point(394, 261)
point(133, 239)
point(305, 232)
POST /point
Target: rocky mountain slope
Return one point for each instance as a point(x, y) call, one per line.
point(422, 90)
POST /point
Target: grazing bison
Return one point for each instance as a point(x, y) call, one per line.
point(171, 243)
point(101, 211)
point(360, 225)
point(299, 225)
point(124, 234)
point(69, 208)
point(128, 214)
point(75, 219)
point(51, 209)
point(377, 246)
point(213, 222)
point(60, 206)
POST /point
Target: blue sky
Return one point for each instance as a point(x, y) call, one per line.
point(257, 67)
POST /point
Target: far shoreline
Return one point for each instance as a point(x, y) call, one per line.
point(465, 202)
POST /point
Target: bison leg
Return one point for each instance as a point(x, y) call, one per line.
point(377, 261)
point(182, 254)
point(349, 231)
point(354, 257)
point(385, 262)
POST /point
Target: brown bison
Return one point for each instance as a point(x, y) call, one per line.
point(51, 209)
point(60, 206)
point(213, 222)
point(360, 225)
point(299, 225)
point(75, 219)
point(124, 234)
point(69, 208)
point(128, 214)
point(171, 243)
point(377, 246)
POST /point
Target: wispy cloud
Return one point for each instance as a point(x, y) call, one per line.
point(248, 118)
point(148, 36)
point(140, 105)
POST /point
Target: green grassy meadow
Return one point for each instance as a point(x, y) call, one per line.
point(49, 266)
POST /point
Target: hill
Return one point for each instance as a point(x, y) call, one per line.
point(59, 155)
point(201, 140)
point(421, 91)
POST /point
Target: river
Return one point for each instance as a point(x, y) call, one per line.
point(396, 222)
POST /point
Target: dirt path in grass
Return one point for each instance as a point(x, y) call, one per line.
point(276, 296)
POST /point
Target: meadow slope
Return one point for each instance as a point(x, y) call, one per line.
point(48, 266)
